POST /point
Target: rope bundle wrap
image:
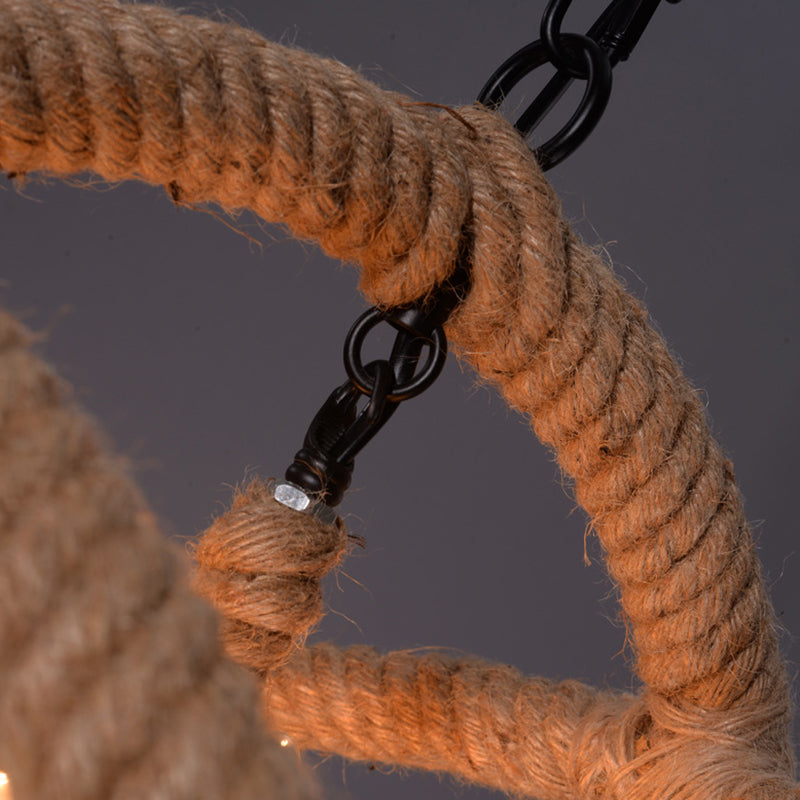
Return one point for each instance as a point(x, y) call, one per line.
point(216, 114)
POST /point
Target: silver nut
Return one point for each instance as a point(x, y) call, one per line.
point(291, 496)
point(296, 498)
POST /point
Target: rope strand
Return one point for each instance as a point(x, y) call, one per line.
point(260, 565)
point(112, 680)
point(216, 114)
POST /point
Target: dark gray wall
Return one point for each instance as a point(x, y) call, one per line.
point(205, 357)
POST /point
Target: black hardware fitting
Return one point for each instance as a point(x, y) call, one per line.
point(610, 40)
point(323, 467)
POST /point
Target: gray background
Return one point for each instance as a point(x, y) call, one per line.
point(206, 357)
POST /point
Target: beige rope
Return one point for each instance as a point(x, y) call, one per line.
point(112, 681)
point(487, 724)
point(262, 566)
point(217, 114)
point(483, 722)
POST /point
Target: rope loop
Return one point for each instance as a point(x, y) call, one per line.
point(112, 681)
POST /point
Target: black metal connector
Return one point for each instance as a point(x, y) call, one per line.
point(576, 57)
point(323, 467)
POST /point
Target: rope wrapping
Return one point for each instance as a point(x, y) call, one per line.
point(216, 114)
point(261, 567)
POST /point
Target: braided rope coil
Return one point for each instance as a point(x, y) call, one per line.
point(217, 114)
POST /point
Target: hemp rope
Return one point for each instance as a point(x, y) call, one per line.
point(217, 114)
point(112, 680)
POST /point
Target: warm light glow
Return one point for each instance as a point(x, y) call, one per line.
point(285, 741)
point(3, 779)
point(5, 789)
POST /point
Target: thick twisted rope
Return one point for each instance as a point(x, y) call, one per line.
point(487, 724)
point(217, 114)
point(262, 567)
point(112, 680)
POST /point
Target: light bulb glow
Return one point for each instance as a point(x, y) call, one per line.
point(3, 779)
point(285, 741)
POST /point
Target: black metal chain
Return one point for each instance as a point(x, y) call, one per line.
point(610, 40)
point(323, 467)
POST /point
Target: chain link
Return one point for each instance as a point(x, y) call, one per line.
point(324, 465)
point(589, 57)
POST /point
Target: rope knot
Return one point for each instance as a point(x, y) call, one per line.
point(648, 747)
point(260, 564)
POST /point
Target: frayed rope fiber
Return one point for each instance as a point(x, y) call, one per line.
point(216, 114)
